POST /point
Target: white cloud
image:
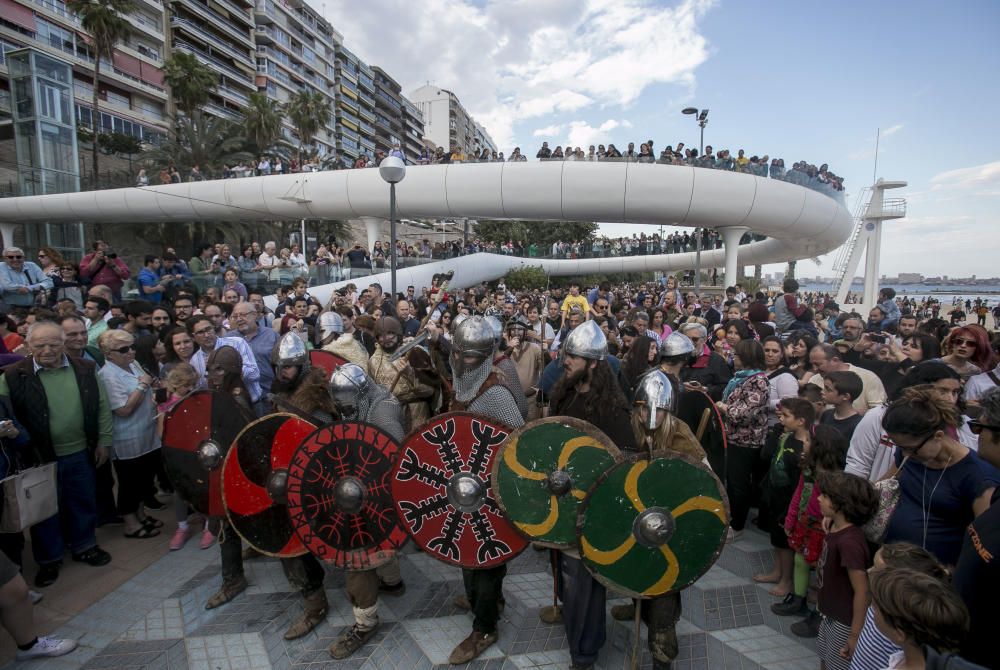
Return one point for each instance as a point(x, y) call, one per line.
point(982, 176)
point(582, 134)
point(892, 130)
point(548, 131)
point(514, 60)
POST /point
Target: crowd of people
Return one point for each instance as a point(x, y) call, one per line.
point(801, 172)
point(820, 406)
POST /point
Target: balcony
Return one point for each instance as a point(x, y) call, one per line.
point(216, 63)
point(236, 11)
point(219, 22)
point(213, 40)
point(219, 110)
point(233, 95)
point(347, 104)
point(367, 128)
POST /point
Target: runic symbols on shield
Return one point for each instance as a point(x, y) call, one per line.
point(441, 485)
point(339, 496)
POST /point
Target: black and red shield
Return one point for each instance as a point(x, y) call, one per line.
point(698, 411)
point(441, 485)
point(327, 360)
point(197, 434)
point(254, 483)
point(339, 497)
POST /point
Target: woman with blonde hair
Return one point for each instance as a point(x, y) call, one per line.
point(135, 443)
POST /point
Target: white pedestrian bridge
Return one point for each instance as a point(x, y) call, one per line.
point(799, 222)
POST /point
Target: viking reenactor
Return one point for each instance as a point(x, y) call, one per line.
point(298, 386)
point(529, 360)
point(588, 390)
point(333, 339)
point(504, 367)
point(656, 429)
point(397, 375)
point(478, 389)
point(359, 399)
point(303, 572)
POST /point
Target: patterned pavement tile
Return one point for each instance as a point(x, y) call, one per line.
point(437, 601)
point(164, 622)
point(227, 652)
point(765, 646)
point(136, 655)
point(533, 589)
point(248, 613)
point(438, 637)
point(731, 607)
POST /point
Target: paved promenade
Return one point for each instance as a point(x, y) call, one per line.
point(157, 620)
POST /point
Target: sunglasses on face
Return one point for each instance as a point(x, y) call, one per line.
point(14, 258)
point(125, 349)
point(977, 427)
point(961, 342)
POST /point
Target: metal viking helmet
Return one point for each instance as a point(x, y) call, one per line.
point(586, 341)
point(656, 392)
point(329, 323)
point(348, 385)
point(676, 344)
point(292, 351)
point(474, 337)
point(497, 327)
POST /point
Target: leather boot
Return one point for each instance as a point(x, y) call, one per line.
point(314, 608)
point(229, 590)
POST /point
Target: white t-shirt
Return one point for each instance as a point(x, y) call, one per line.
point(980, 384)
point(872, 390)
point(268, 262)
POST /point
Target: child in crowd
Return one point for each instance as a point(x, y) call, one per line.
point(825, 452)
point(813, 394)
point(796, 416)
point(874, 649)
point(847, 502)
point(921, 614)
point(840, 389)
point(180, 382)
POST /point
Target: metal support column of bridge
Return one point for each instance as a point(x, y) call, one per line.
point(731, 243)
point(373, 227)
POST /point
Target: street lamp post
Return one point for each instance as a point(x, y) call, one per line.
point(701, 116)
point(392, 169)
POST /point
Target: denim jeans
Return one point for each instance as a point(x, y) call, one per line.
point(76, 522)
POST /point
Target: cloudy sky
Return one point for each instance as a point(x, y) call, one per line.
point(797, 80)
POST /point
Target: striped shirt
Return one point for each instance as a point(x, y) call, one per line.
point(873, 649)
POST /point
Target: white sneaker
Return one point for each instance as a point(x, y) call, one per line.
point(35, 596)
point(47, 646)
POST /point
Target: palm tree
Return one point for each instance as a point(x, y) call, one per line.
point(190, 81)
point(263, 120)
point(206, 141)
point(107, 23)
point(308, 111)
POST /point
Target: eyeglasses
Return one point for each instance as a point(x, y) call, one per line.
point(962, 342)
point(915, 448)
point(203, 331)
point(125, 349)
point(14, 258)
point(977, 427)
point(42, 256)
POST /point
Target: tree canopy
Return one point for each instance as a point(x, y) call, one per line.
point(539, 232)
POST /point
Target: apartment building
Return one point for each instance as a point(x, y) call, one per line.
point(447, 123)
point(297, 50)
point(132, 92)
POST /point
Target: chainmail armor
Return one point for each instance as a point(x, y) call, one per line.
point(381, 409)
point(466, 386)
point(498, 404)
point(508, 377)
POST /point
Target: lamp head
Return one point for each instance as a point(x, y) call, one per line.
point(689, 110)
point(392, 169)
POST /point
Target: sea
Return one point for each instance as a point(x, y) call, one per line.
point(945, 294)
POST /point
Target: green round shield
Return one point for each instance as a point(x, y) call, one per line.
point(651, 527)
point(544, 472)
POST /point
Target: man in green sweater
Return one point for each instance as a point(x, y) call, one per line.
point(64, 407)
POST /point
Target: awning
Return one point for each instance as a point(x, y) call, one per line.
point(128, 64)
point(19, 14)
point(151, 75)
point(85, 38)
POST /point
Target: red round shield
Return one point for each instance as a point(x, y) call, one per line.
point(327, 360)
point(339, 498)
point(254, 483)
point(441, 485)
point(197, 433)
